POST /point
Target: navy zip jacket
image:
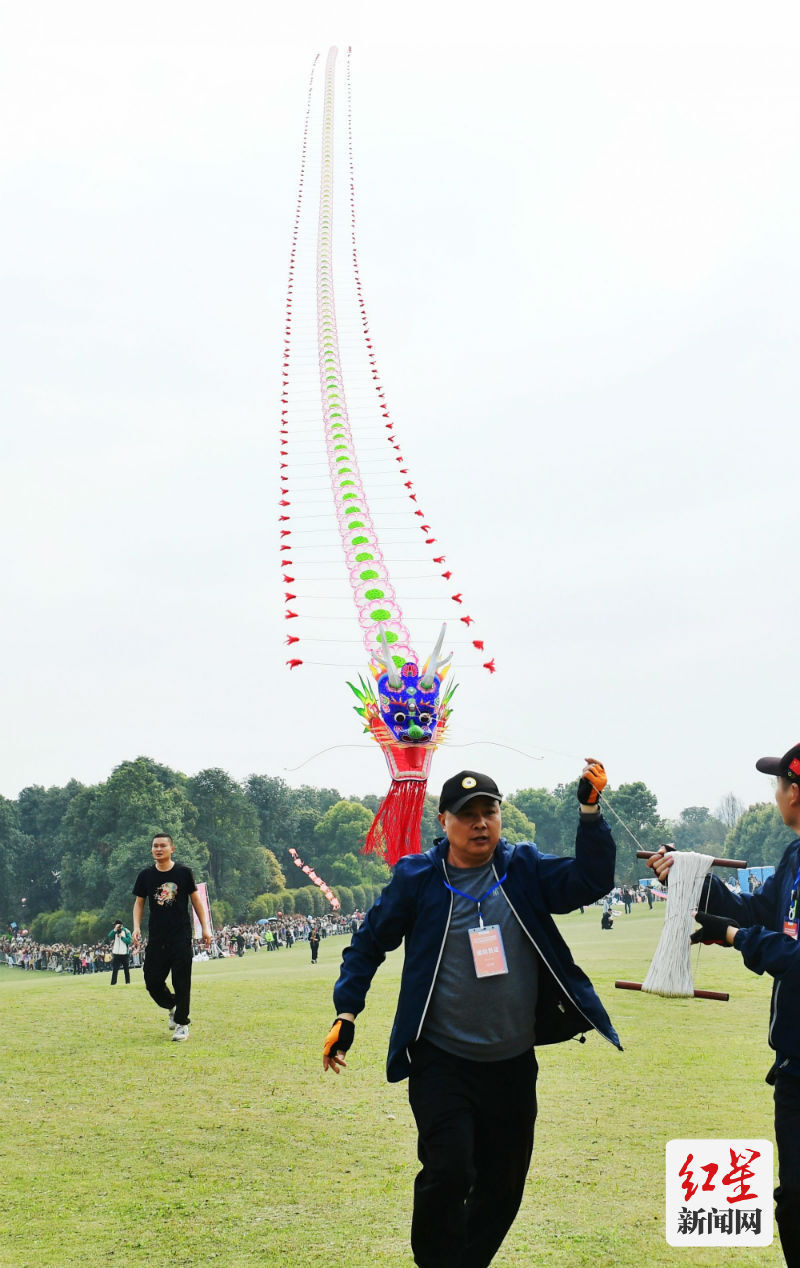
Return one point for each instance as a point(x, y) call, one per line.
point(765, 947)
point(416, 906)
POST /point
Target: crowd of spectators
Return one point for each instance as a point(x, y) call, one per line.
point(19, 950)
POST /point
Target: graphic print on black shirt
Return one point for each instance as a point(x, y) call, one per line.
point(166, 894)
point(168, 900)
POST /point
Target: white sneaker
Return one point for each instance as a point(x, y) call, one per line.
point(180, 1032)
point(172, 1022)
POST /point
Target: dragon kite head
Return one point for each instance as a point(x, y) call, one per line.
point(410, 708)
point(409, 700)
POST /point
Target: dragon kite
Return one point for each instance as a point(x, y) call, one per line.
point(331, 390)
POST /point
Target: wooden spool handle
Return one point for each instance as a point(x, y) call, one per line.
point(648, 854)
point(637, 986)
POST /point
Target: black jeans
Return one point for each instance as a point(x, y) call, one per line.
point(475, 1121)
point(160, 959)
point(119, 962)
point(787, 1194)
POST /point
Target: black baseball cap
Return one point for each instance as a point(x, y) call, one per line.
point(461, 788)
point(788, 765)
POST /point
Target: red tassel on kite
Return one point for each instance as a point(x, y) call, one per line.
point(289, 615)
point(291, 638)
point(293, 663)
point(468, 620)
point(478, 642)
point(490, 665)
point(456, 597)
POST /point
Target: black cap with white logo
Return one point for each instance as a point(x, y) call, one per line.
point(461, 788)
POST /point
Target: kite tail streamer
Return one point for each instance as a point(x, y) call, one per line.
point(395, 829)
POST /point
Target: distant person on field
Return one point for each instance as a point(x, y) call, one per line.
point(168, 887)
point(313, 942)
point(121, 939)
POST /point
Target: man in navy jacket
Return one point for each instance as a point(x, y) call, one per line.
point(486, 977)
point(764, 926)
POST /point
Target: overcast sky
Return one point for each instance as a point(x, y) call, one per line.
point(579, 251)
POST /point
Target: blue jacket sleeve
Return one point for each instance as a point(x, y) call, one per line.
point(762, 948)
point(572, 882)
point(764, 951)
point(745, 909)
point(382, 930)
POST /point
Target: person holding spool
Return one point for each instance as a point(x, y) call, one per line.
point(763, 927)
point(486, 977)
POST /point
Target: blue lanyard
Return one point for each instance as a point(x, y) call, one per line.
point(472, 897)
point(793, 897)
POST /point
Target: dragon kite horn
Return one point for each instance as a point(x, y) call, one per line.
point(433, 664)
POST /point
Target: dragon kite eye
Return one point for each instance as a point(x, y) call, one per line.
point(425, 718)
point(399, 719)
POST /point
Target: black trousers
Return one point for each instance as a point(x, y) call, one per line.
point(119, 962)
point(787, 1136)
point(475, 1122)
point(162, 959)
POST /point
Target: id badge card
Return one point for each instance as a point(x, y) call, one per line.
point(790, 927)
point(488, 952)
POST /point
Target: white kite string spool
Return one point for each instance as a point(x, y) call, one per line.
point(670, 972)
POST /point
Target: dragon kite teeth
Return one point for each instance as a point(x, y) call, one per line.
point(405, 708)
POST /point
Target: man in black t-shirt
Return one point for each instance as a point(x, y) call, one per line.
point(169, 887)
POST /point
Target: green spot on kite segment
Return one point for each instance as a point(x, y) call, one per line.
point(345, 496)
point(360, 541)
point(380, 614)
point(363, 557)
point(374, 594)
point(344, 483)
point(369, 574)
point(355, 524)
point(399, 662)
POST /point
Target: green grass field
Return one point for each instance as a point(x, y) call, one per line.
point(236, 1148)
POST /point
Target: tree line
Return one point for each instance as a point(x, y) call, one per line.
point(68, 856)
